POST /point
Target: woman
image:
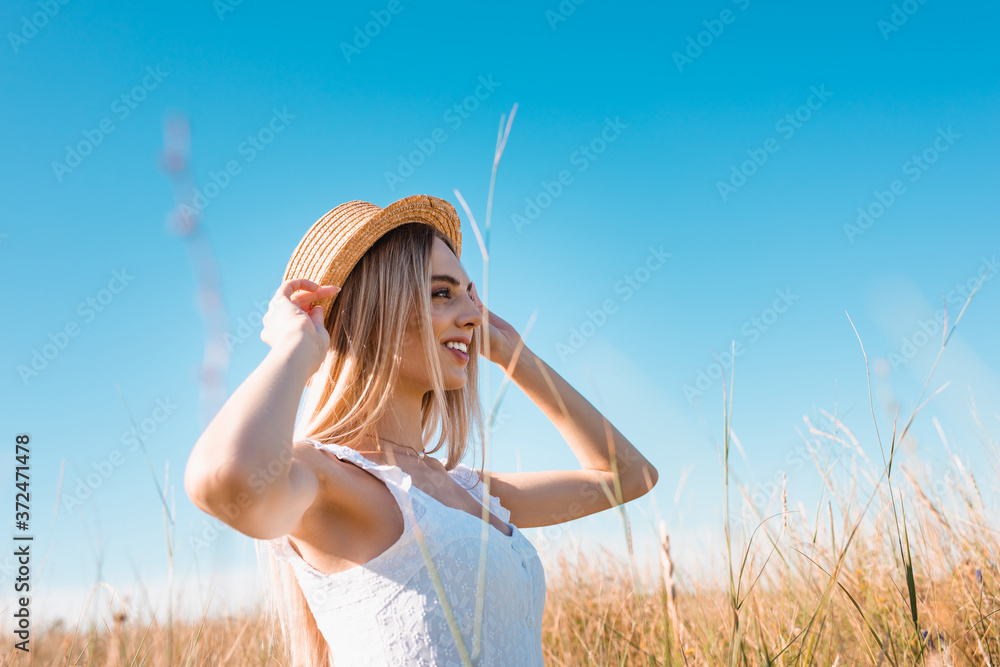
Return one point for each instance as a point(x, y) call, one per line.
point(375, 546)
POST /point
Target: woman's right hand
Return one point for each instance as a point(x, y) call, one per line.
point(292, 321)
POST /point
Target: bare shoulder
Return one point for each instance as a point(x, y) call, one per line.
point(341, 489)
point(348, 523)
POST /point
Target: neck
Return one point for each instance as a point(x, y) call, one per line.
point(399, 427)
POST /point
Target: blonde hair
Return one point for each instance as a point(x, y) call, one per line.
point(348, 394)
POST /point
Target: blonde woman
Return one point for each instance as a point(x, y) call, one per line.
point(373, 544)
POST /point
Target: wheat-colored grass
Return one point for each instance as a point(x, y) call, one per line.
point(789, 613)
point(886, 570)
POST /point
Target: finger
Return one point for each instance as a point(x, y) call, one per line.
point(304, 298)
point(316, 315)
point(292, 285)
point(321, 291)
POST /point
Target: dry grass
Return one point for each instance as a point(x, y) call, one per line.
point(892, 567)
point(790, 610)
point(885, 571)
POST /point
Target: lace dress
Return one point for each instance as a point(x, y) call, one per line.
point(388, 612)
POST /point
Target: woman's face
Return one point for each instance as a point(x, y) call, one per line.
point(453, 316)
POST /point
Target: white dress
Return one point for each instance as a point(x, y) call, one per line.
point(388, 612)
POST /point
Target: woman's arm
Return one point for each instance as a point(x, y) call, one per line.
point(243, 468)
point(585, 429)
point(548, 497)
point(251, 433)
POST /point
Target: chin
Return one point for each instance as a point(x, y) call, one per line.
point(456, 381)
point(449, 382)
point(456, 385)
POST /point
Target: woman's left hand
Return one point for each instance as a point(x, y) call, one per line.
point(503, 337)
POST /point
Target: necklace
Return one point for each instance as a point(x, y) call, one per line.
point(420, 454)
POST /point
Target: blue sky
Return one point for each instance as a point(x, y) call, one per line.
point(733, 146)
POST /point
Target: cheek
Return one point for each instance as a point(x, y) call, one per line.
point(439, 321)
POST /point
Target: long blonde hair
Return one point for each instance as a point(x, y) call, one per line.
point(348, 394)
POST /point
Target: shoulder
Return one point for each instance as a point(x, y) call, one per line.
point(345, 489)
point(462, 471)
point(348, 515)
point(472, 481)
point(466, 477)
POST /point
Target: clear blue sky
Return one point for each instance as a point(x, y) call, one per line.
point(740, 138)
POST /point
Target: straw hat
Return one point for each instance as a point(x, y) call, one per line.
point(335, 243)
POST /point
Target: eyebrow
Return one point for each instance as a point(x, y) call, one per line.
point(451, 280)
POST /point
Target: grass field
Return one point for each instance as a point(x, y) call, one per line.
point(897, 569)
point(788, 608)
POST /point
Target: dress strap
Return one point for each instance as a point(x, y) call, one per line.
point(342, 452)
point(399, 482)
point(465, 476)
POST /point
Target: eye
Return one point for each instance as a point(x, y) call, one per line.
point(443, 292)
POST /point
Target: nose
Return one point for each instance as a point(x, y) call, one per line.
point(471, 314)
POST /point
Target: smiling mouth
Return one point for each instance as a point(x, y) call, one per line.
point(458, 354)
